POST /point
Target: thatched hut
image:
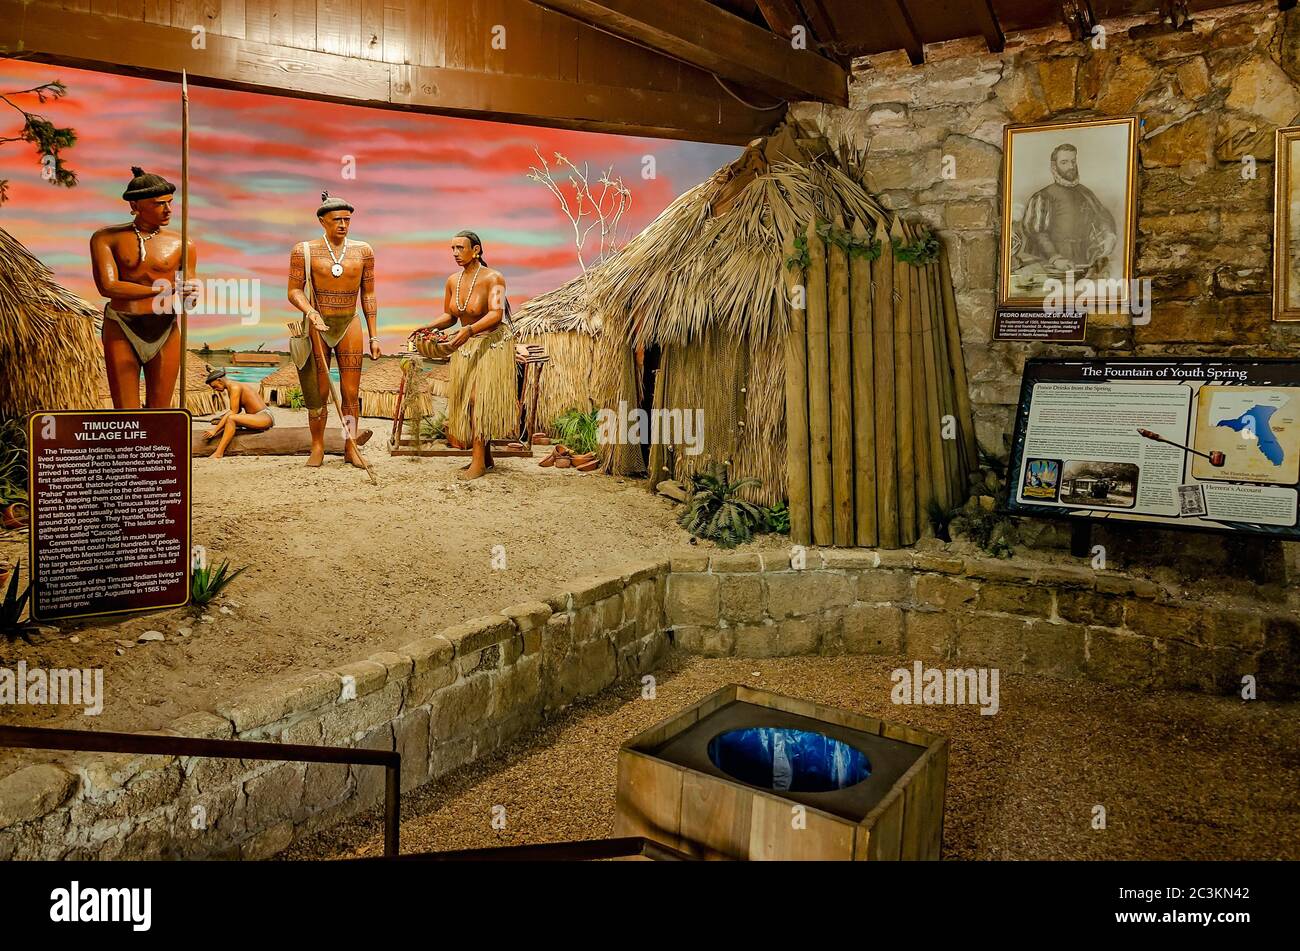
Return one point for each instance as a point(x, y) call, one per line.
point(49, 344)
point(276, 387)
point(381, 381)
point(561, 322)
point(699, 312)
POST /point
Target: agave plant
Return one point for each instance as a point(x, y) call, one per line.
point(716, 512)
point(13, 462)
point(433, 427)
point(11, 611)
point(207, 582)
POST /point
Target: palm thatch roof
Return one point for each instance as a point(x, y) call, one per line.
point(275, 387)
point(562, 310)
point(381, 381)
point(49, 346)
point(705, 284)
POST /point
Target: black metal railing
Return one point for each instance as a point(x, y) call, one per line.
point(90, 741)
point(582, 850)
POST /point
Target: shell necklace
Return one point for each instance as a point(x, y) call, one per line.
point(142, 238)
point(470, 296)
point(337, 267)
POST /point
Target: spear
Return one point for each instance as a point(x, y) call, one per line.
point(185, 222)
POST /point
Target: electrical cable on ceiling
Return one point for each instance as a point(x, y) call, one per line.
point(750, 105)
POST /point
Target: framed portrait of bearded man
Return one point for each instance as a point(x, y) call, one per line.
point(1286, 226)
point(1069, 214)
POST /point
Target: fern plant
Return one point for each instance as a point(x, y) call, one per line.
point(12, 626)
point(578, 431)
point(717, 513)
point(208, 582)
point(776, 519)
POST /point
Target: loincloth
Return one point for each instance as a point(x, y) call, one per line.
point(269, 418)
point(481, 395)
point(147, 333)
point(309, 377)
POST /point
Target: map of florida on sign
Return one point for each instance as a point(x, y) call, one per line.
point(1257, 430)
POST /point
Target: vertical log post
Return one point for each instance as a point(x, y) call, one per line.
point(819, 390)
point(841, 392)
point(796, 403)
point(864, 423)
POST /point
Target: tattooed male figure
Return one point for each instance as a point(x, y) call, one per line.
point(326, 276)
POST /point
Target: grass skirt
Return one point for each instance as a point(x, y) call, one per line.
point(481, 398)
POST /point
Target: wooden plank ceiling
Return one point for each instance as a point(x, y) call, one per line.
point(714, 70)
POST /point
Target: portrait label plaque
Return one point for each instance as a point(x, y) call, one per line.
point(110, 498)
point(1205, 443)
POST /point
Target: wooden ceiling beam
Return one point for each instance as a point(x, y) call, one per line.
point(1079, 17)
point(782, 16)
point(987, 19)
point(707, 37)
point(113, 44)
point(902, 23)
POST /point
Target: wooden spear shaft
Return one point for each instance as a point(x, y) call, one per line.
point(322, 367)
point(185, 227)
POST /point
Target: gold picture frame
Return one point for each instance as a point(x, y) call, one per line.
point(1035, 160)
point(1286, 221)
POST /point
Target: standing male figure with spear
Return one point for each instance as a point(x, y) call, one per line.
point(326, 276)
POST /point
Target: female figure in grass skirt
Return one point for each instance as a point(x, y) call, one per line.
point(481, 393)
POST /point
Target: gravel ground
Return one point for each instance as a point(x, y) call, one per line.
point(1181, 776)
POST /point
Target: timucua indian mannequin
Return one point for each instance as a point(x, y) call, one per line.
point(326, 275)
point(135, 266)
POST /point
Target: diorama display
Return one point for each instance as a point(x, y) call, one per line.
point(795, 483)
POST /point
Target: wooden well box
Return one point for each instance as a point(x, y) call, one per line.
point(670, 790)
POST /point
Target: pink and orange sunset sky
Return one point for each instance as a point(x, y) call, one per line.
point(258, 164)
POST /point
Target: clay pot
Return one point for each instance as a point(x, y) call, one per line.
point(548, 460)
point(563, 462)
point(15, 515)
point(582, 458)
point(541, 439)
point(514, 445)
point(591, 466)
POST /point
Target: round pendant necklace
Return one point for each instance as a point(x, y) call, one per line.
point(337, 267)
point(470, 296)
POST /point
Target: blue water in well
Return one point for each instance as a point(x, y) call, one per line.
point(788, 760)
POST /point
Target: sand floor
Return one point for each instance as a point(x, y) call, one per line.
point(339, 569)
point(1181, 776)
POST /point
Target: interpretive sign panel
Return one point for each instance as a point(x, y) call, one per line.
point(110, 498)
point(1207, 443)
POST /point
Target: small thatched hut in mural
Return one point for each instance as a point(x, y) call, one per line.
point(781, 262)
point(381, 381)
point(49, 345)
point(276, 387)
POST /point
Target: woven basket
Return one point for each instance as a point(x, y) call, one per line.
point(428, 344)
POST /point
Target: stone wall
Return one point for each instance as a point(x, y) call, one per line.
point(1206, 98)
point(442, 701)
point(1056, 620)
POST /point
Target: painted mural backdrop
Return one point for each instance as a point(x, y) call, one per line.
point(258, 164)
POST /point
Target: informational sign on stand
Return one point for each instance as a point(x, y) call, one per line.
point(110, 500)
point(1212, 444)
